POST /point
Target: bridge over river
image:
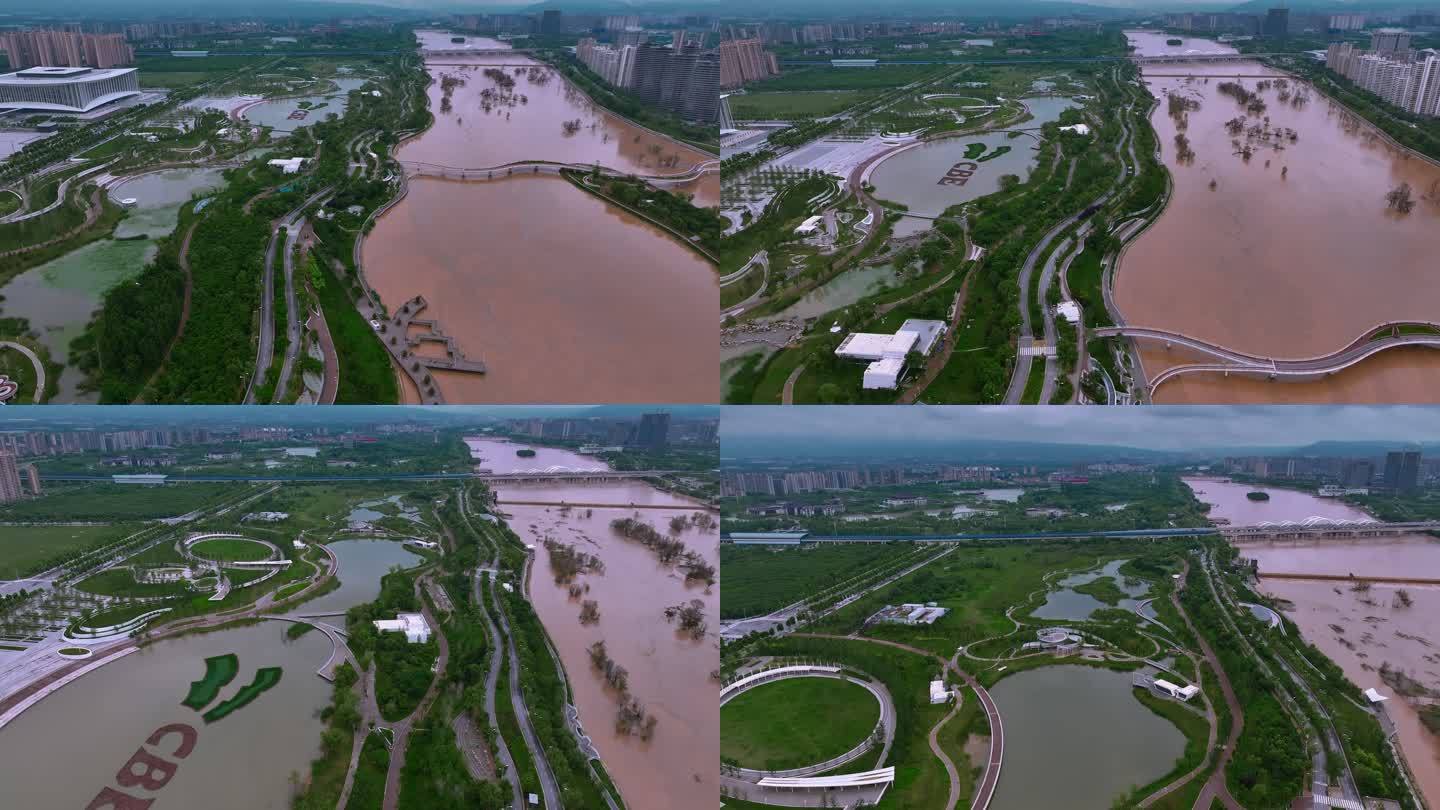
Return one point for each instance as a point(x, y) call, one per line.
point(1372, 341)
point(549, 476)
point(418, 168)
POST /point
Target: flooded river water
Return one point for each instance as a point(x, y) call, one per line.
point(1292, 253)
point(513, 268)
point(669, 673)
point(1359, 630)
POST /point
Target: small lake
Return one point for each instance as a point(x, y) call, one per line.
point(362, 564)
point(841, 291)
point(277, 113)
point(63, 751)
point(368, 511)
point(58, 297)
point(1066, 603)
point(1076, 737)
point(914, 177)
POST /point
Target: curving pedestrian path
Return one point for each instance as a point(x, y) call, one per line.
point(39, 395)
point(885, 724)
point(990, 779)
point(400, 730)
point(549, 788)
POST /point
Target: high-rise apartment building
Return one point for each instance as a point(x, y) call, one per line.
point(1358, 474)
point(654, 430)
point(1277, 23)
point(1427, 86)
point(745, 60)
point(615, 65)
point(686, 82)
point(1402, 470)
point(551, 22)
point(26, 49)
point(9, 478)
point(1405, 78)
point(1390, 42)
point(1347, 22)
point(32, 479)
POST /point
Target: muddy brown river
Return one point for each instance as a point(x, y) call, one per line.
point(565, 297)
point(1294, 252)
point(1358, 630)
point(669, 674)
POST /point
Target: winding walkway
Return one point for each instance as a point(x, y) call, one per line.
point(985, 791)
point(549, 788)
point(1020, 376)
point(34, 358)
point(293, 334)
point(265, 346)
point(1216, 788)
point(1233, 361)
point(1210, 717)
point(183, 259)
point(400, 730)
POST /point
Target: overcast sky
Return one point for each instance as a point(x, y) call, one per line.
point(1167, 427)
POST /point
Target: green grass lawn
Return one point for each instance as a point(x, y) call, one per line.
point(172, 80)
point(24, 546)
point(734, 293)
point(117, 502)
point(368, 792)
point(227, 549)
point(796, 722)
point(795, 104)
point(884, 77)
point(120, 615)
point(920, 779)
point(120, 582)
point(759, 580)
point(1034, 383)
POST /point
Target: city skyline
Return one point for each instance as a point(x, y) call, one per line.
point(1173, 429)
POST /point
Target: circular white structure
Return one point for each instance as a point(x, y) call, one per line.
point(885, 723)
point(66, 89)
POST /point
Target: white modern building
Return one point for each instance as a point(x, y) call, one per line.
point(1177, 692)
point(909, 613)
point(267, 517)
point(413, 625)
point(886, 353)
point(1078, 129)
point(66, 89)
point(289, 166)
point(938, 692)
point(809, 226)
point(149, 479)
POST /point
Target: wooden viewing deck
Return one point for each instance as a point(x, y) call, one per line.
point(395, 335)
